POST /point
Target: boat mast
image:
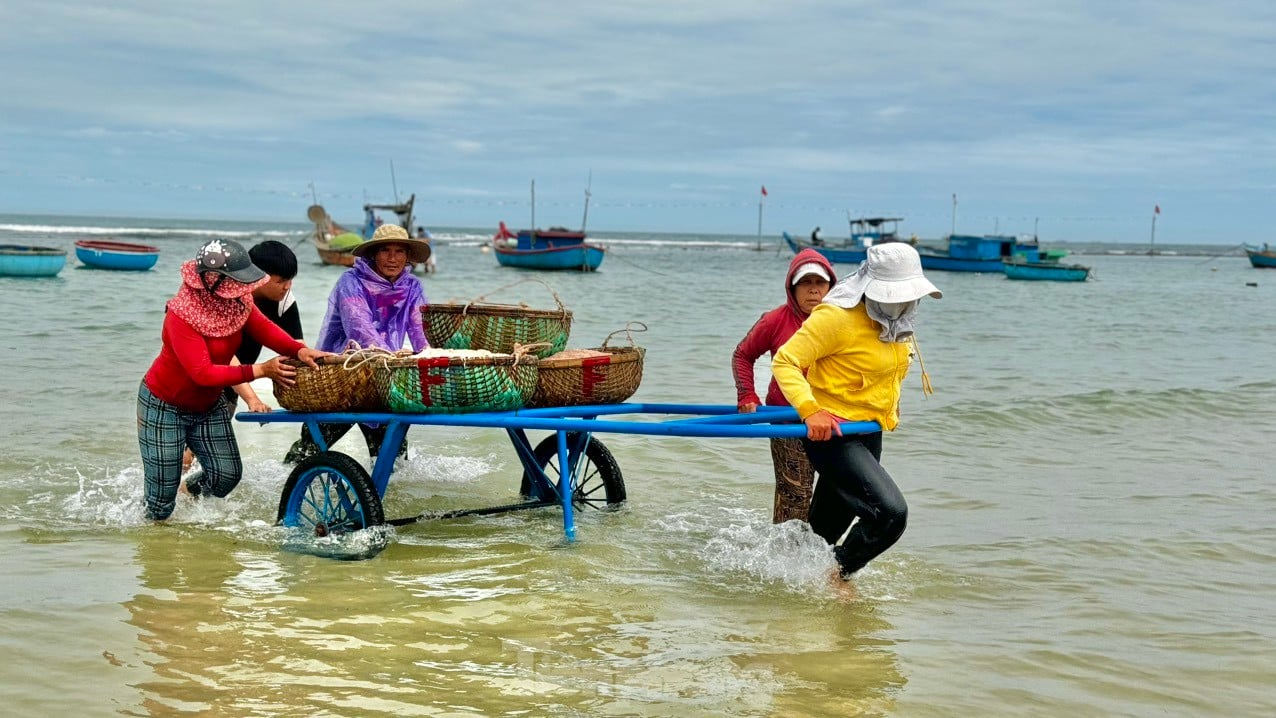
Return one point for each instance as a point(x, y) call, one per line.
point(588, 184)
point(761, 200)
point(1152, 246)
point(533, 209)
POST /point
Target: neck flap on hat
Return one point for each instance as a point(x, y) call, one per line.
point(850, 290)
point(211, 315)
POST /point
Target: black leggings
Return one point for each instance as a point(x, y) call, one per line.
point(853, 484)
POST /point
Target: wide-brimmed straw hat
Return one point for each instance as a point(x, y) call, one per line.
point(418, 250)
point(892, 274)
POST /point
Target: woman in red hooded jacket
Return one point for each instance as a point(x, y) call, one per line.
point(809, 278)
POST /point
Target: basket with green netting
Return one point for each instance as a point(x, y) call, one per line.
point(457, 381)
point(497, 328)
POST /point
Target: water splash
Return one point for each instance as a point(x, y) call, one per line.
point(743, 542)
point(354, 546)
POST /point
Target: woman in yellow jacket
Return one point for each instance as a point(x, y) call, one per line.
point(847, 363)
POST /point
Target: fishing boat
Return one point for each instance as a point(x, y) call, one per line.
point(865, 232)
point(1261, 257)
point(1018, 268)
point(24, 260)
point(553, 248)
point(107, 254)
point(335, 244)
point(986, 253)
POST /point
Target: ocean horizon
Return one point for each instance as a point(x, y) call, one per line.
point(30, 227)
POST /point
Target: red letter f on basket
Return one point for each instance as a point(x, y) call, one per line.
point(423, 367)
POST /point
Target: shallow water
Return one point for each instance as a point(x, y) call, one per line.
point(1089, 491)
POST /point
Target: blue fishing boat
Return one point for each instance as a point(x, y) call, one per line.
point(105, 254)
point(554, 248)
point(1261, 257)
point(1017, 268)
point(865, 232)
point(970, 253)
point(24, 260)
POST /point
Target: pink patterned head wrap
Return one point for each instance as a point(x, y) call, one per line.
point(216, 313)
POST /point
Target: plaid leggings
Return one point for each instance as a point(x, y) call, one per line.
point(164, 431)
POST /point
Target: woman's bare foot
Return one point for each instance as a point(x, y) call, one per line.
point(842, 587)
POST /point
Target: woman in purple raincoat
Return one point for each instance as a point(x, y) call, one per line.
point(376, 303)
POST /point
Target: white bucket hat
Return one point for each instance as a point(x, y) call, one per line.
point(892, 274)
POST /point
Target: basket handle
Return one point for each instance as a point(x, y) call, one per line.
point(629, 326)
point(541, 282)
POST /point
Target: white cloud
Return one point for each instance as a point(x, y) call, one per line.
point(659, 97)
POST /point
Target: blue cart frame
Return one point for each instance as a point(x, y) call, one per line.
point(573, 427)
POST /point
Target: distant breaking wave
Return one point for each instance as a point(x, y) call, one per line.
point(442, 237)
point(49, 229)
point(465, 239)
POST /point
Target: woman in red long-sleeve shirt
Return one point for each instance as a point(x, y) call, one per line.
point(809, 278)
point(180, 401)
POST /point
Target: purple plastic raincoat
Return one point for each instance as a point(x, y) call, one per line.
point(365, 307)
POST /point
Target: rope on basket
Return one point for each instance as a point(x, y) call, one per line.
point(522, 350)
point(478, 300)
point(628, 333)
point(362, 355)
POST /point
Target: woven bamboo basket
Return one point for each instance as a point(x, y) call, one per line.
point(458, 384)
point(497, 328)
point(610, 378)
point(342, 382)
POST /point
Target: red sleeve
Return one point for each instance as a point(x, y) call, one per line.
point(756, 343)
point(269, 334)
point(191, 349)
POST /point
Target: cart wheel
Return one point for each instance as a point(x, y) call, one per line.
point(329, 494)
point(601, 484)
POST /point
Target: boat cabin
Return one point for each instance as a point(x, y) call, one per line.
point(867, 231)
point(403, 211)
point(991, 246)
point(548, 238)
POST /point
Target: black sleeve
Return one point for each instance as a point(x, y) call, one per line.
point(291, 322)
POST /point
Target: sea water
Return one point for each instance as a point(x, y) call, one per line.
point(1090, 492)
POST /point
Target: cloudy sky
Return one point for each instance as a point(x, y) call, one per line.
point(1074, 116)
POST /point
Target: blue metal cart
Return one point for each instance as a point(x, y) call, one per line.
point(330, 493)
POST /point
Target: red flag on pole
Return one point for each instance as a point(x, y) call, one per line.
point(763, 190)
point(1158, 208)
